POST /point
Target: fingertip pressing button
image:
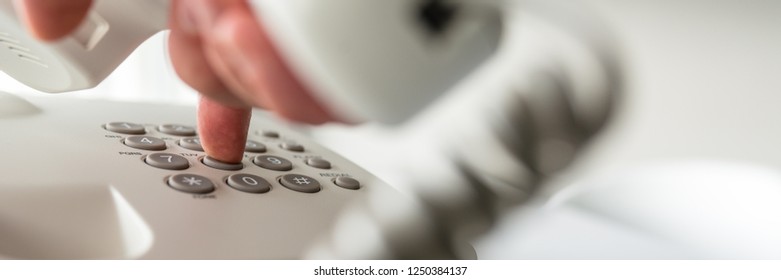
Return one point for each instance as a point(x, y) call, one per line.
point(248, 183)
point(318, 163)
point(300, 183)
point(178, 130)
point(125, 128)
point(213, 163)
point(145, 143)
point(347, 183)
point(191, 183)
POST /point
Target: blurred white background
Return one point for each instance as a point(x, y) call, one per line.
point(703, 85)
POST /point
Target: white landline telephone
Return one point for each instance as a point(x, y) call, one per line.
point(117, 181)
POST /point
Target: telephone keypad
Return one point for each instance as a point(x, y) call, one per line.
point(252, 179)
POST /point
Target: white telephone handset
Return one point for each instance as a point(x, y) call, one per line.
point(111, 31)
point(383, 60)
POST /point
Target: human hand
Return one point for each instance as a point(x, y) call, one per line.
point(218, 48)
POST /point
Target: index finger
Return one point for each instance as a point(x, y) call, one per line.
point(223, 129)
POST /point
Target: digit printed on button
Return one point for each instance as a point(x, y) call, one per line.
point(273, 163)
point(248, 183)
point(167, 161)
point(145, 143)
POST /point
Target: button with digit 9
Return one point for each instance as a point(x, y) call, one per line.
point(273, 163)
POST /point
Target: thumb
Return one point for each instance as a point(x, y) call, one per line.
point(50, 20)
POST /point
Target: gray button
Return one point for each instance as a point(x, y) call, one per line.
point(347, 183)
point(300, 183)
point(213, 163)
point(273, 163)
point(318, 163)
point(248, 183)
point(167, 161)
point(292, 146)
point(269, 133)
point(193, 143)
point(145, 143)
point(191, 183)
point(254, 147)
point(125, 127)
point(178, 130)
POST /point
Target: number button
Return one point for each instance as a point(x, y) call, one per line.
point(292, 146)
point(249, 183)
point(167, 161)
point(273, 163)
point(254, 147)
point(145, 143)
point(178, 130)
point(125, 127)
point(192, 143)
point(213, 163)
